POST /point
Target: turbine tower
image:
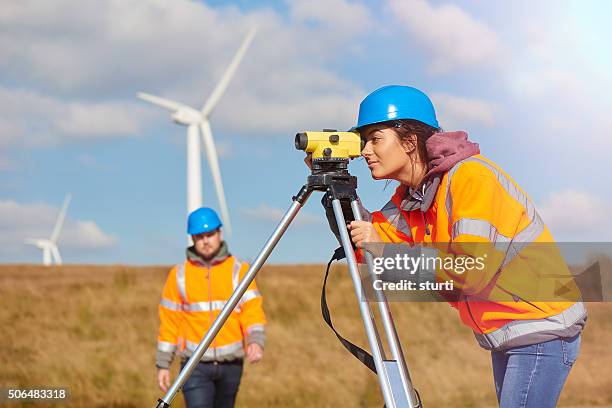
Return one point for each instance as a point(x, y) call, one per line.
point(198, 122)
point(50, 252)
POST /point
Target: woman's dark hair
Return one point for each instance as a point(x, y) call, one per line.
point(405, 128)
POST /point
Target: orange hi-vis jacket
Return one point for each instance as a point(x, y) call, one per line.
point(476, 202)
point(193, 297)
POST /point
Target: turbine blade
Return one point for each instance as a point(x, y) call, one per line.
point(229, 73)
point(56, 255)
point(60, 219)
point(213, 162)
point(159, 101)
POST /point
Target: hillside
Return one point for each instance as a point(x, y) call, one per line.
point(93, 329)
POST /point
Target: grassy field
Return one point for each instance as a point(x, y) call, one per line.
point(93, 329)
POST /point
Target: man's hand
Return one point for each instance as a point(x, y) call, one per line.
point(254, 353)
point(163, 379)
point(363, 232)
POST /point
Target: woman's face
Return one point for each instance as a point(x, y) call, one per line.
point(385, 154)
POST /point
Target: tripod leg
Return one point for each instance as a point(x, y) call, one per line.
point(364, 308)
point(298, 202)
point(390, 331)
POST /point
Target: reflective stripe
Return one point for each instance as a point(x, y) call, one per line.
point(236, 273)
point(165, 347)
point(168, 304)
point(236, 280)
point(204, 306)
point(235, 348)
point(255, 328)
point(520, 240)
point(449, 198)
point(478, 228)
point(505, 182)
point(394, 216)
point(518, 328)
point(180, 281)
point(510, 188)
point(536, 225)
point(526, 236)
point(249, 295)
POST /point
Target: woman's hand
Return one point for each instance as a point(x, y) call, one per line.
point(363, 232)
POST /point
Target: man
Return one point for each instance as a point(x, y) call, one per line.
point(193, 296)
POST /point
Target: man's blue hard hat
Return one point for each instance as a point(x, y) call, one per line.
point(395, 102)
point(203, 220)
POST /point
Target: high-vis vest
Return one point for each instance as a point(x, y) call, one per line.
point(193, 297)
point(477, 202)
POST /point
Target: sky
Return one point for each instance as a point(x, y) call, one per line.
point(529, 81)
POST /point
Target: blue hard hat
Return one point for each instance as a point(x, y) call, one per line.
point(395, 102)
point(203, 220)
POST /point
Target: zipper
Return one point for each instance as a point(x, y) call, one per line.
point(427, 231)
point(210, 312)
point(517, 298)
point(467, 303)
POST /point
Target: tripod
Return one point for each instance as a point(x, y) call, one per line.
point(331, 176)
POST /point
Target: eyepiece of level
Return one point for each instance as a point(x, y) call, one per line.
point(301, 141)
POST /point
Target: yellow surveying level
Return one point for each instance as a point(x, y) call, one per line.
point(329, 144)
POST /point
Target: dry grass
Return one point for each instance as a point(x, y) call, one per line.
point(93, 329)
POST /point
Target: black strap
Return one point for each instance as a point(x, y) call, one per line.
point(361, 355)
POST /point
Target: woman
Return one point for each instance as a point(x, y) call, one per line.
point(450, 193)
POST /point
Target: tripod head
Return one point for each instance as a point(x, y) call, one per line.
point(331, 151)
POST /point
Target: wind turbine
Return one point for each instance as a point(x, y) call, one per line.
point(196, 122)
point(49, 246)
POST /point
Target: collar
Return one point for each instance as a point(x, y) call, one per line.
point(220, 256)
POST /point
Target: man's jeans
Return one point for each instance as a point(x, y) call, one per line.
point(213, 385)
point(533, 376)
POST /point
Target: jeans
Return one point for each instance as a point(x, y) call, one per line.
point(212, 385)
point(533, 376)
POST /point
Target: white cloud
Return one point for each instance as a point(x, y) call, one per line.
point(577, 215)
point(275, 214)
point(543, 64)
point(79, 51)
point(556, 76)
point(345, 19)
point(455, 112)
point(453, 38)
point(31, 119)
point(20, 221)
point(86, 234)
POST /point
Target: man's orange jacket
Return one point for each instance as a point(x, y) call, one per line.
point(193, 296)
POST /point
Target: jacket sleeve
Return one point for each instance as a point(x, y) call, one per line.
point(481, 213)
point(170, 317)
point(251, 315)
